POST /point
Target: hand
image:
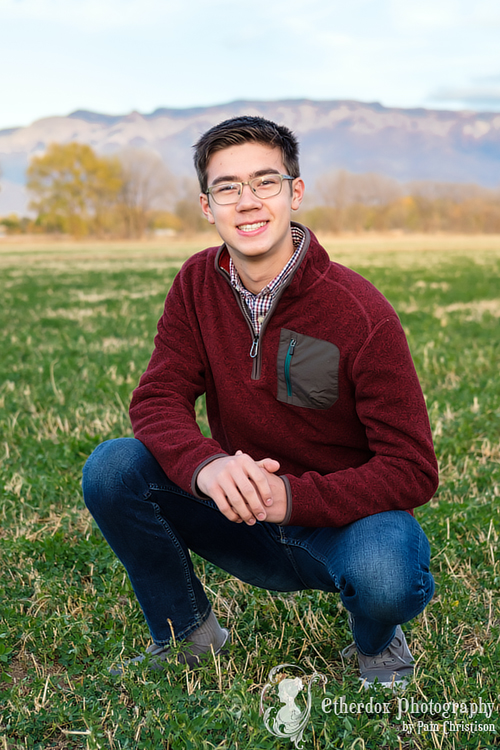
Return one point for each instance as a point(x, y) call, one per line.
point(276, 512)
point(242, 489)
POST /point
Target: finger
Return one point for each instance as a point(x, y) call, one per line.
point(260, 483)
point(250, 479)
point(269, 464)
point(225, 507)
point(241, 490)
point(245, 486)
point(245, 501)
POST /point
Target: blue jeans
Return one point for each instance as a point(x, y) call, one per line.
point(379, 565)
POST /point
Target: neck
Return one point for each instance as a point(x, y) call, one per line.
point(257, 272)
point(255, 277)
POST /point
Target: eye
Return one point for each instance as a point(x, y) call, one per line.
point(267, 185)
point(270, 179)
point(226, 187)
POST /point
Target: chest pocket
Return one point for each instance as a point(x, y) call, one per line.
point(308, 371)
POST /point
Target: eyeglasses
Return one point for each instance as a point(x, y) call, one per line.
point(266, 186)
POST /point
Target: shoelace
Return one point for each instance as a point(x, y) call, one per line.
point(387, 656)
point(349, 650)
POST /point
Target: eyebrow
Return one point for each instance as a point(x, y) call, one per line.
point(234, 178)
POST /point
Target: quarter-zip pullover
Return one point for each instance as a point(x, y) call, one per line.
point(332, 393)
point(260, 304)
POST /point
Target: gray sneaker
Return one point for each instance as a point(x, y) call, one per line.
point(392, 668)
point(157, 657)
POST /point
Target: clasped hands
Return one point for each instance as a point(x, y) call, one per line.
point(244, 490)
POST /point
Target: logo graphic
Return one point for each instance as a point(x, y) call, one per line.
point(289, 685)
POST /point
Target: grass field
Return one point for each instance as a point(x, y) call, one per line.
point(77, 323)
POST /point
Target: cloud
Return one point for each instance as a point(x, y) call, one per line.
point(95, 15)
point(475, 96)
point(109, 15)
point(445, 16)
point(487, 79)
point(426, 14)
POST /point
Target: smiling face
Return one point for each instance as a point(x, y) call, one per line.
point(256, 231)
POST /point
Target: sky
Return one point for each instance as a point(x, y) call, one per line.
point(116, 56)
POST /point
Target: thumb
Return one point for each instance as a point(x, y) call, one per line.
point(269, 464)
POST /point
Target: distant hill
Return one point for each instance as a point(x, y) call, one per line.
point(407, 144)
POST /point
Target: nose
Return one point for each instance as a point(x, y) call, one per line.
point(247, 198)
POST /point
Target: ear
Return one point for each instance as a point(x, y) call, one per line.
point(205, 207)
point(298, 189)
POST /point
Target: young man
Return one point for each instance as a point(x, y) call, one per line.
point(320, 442)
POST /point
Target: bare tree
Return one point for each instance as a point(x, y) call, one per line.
point(372, 189)
point(187, 207)
point(341, 190)
point(457, 192)
point(147, 185)
point(333, 188)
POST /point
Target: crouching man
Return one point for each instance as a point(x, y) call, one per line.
point(320, 444)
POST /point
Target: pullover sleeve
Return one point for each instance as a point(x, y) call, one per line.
point(402, 473)
point(162, 410)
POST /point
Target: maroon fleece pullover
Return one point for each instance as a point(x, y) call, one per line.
point(332, 394)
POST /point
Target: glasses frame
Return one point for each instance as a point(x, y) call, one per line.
point(249, 183)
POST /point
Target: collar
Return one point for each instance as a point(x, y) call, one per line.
point(298, 238)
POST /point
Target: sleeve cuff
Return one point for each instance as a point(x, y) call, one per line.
point(194, 486)
point(288, 488)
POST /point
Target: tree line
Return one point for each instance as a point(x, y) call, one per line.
point(363, 202)
point(78, 192)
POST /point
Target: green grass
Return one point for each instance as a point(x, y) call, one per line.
point(76, 333)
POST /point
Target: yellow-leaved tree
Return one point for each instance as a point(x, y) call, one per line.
point(75, 190)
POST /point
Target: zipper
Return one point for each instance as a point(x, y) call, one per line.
point(288, 360)
point(256, 350)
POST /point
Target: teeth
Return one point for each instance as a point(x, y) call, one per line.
point(251, 227)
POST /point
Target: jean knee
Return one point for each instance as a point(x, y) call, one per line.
point(105, 470)
point(410, 597)
point(390, 581)
point(402, 596)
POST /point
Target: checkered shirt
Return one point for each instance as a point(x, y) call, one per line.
point(260, 304)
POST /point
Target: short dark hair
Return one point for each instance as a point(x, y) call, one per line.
point(246, 129)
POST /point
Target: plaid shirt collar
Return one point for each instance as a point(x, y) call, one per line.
point(260, 304)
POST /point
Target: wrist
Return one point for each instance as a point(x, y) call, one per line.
point(195, 489)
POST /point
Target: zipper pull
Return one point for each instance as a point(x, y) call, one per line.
point(255, 346)
point(288, 358)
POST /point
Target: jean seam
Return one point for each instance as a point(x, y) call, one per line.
point(199, 618)
point(421, 582)
point(423, 603)
point(288, 552)
point(179, 491)
point(291, 543)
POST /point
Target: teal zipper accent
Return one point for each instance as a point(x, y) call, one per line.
point(288, 359)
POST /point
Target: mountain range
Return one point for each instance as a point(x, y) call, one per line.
point(406, 144)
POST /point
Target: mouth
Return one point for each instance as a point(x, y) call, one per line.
point(252, 227)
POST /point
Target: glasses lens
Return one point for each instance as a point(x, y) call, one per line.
point(263, 187)
point(266, 186)
point(226, 192)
